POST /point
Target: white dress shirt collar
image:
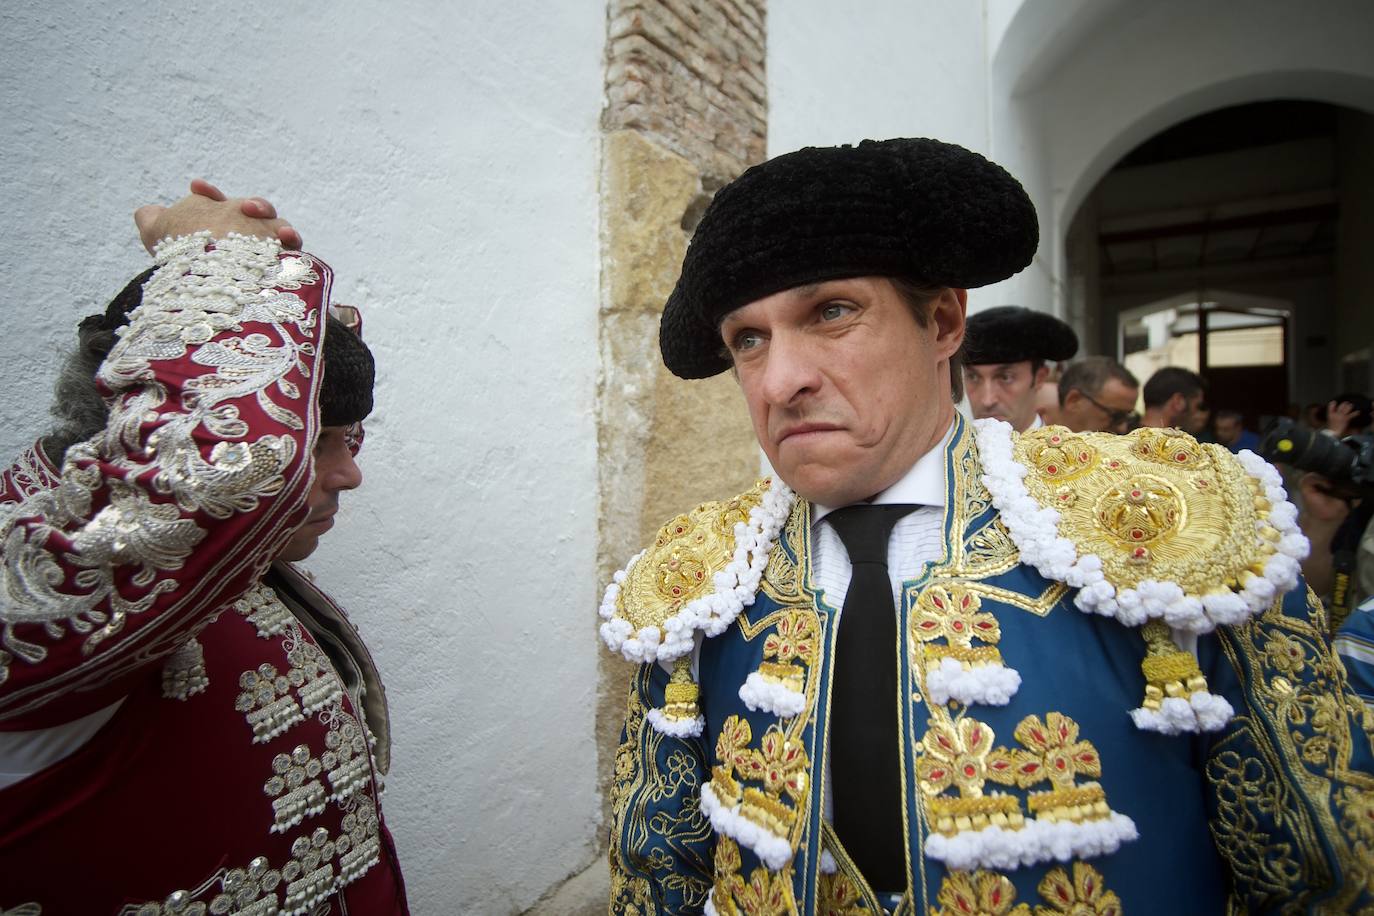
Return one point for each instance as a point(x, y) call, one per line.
point(923, 485)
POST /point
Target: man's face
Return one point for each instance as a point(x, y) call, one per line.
point(1110, 413)
point(335, 471)
point(1004, 391)
point(1193, 418)
point(1228, 430)
point(845, 388)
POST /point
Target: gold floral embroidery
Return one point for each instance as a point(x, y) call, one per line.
point(1153, 505)
point(978, 893)
point(793, 640)
point(952, 613)
point(1054, 749)
point(983, 893)
point(839, 896)
point(685, 556)
point(766, 894)
point(1085, 895)
point(960, 755)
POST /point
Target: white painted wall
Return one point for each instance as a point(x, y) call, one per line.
point(1056, 91)
point(1068, 111)
point(443, 159)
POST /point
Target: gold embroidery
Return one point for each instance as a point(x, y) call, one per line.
point(681, 564)
point(764, 894)
point(839, 896)
point(1169, 671)
point(983, 893)
point(960, 755)
point(792, 645)
point(978, 893)
point(639, 783)
point(1296, 738)
point(1151, 505)
point(1085, 895)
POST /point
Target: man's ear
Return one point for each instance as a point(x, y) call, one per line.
point(1178, 404)
point(1040, 375)
point(948, 317)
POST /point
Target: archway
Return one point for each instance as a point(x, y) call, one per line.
point(1077, 86)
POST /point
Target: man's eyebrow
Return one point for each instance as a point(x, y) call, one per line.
point(802, 292)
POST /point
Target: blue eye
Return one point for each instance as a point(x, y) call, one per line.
point(747, 340)
point(833, 311)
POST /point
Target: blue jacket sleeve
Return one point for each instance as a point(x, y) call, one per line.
point(661, 844)
point(1290, 786)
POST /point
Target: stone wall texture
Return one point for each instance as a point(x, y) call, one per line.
point(686, 113)
point(689, 75)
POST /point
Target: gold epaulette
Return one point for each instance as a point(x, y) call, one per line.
point(1150, 526)
point(701, 570)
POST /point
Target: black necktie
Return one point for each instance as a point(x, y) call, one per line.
point(864, 752)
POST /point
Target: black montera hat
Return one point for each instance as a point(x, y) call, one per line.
point(349, 371)
point(1012, 333)
point(914, 208)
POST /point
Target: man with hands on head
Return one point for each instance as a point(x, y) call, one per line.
point(170, 684)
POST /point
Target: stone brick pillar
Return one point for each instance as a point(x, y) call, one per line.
point(686, 113)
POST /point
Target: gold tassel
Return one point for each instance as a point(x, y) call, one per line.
point(1168, 670)
point(681, 695)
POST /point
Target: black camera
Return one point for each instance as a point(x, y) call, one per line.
point(1348, 460)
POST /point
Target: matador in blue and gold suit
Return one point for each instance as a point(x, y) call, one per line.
point(1115, 697)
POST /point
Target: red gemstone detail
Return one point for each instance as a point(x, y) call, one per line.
point(958, 626)
point(969, 771)
point(935, 600)
point(1180, 457)
point(1136, 534)
point(1052, 469)
point(937, 774)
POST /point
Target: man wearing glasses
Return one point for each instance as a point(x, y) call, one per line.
point(1098, 394)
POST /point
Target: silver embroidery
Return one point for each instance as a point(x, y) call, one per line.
point(265, 611)
point(183, 674)
point(194, 295)
point(266, 699)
